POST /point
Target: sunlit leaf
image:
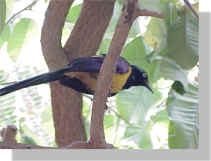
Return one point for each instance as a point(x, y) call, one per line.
point(135, 53)
point(134, 103)
point(18, 36)
point(140, 136)
point(108, 121)
point(156, 34)
point(4, 35)
point(184, 123)
point(183, 40)
point(74, 13)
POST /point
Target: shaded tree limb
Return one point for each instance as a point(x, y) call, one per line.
point(83, 41)
point(66, 113)
point(107, 71)
point(22, 10)
point(191, 8)
point(129, 14)
point(89, 29)
point(145, 12)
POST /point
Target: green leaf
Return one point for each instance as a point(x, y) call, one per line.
point(183, 114)
point(159, 6)
point(4, 35)
point(2, 14)
point(183, 40)
point(74, 13)
point(108, 121)
point(135, 53)
point(156, 33)
point(140, 136)
point(18, 36)
point(104, 46)
point(161, 116)
point(170, 70)
point(134, 103)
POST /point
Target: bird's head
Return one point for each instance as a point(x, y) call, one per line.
point(138, 77)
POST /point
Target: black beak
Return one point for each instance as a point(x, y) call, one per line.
point(148, 87)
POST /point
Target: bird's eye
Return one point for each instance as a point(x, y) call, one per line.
point(144, 75)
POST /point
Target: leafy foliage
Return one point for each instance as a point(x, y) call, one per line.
point(136, 119)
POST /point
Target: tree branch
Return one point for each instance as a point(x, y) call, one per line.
point(83, 41)
point(129, 13)
point(89, 29)
point(67, 117)
point(107, 71)
point(19, 12)
point(52, 32)
point(145, 12)
point(191, 8)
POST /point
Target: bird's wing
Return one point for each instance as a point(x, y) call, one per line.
point(93, 65)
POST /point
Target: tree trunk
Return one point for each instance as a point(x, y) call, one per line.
point(83, 41)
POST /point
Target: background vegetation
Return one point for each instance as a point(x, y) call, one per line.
point(136, 119)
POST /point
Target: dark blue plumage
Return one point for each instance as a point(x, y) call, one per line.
point(81, 75)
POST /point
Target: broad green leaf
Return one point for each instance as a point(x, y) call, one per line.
point(183, 40)
point(160, 116)
point(156, 34)
point(4, 35)
point(140, 136)
point(134, 103)
point(104, 46)
point(18, 36)
point(135, 53)
point(170, 70)
point(159, 6)
point(183, 114)
point(2, 14)
point(108, 121)
point(74, 13)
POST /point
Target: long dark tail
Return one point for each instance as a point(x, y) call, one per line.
point(40, 79)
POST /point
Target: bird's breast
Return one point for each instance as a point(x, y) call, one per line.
point(90, 80)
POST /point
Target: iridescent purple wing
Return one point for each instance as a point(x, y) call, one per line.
point(93, 65)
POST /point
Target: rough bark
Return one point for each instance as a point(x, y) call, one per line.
point(84, 41)
point(107, 71)
point(89, 29)
point(130, 12)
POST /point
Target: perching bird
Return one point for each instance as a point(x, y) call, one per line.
point(81, 75)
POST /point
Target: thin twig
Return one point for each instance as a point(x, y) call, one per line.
point(145, 12)
point(25, 8)
point(191, 8)
point(123, 26)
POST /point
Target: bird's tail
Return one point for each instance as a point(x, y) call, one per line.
point(40, 79)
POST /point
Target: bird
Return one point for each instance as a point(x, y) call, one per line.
point(82, 73)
